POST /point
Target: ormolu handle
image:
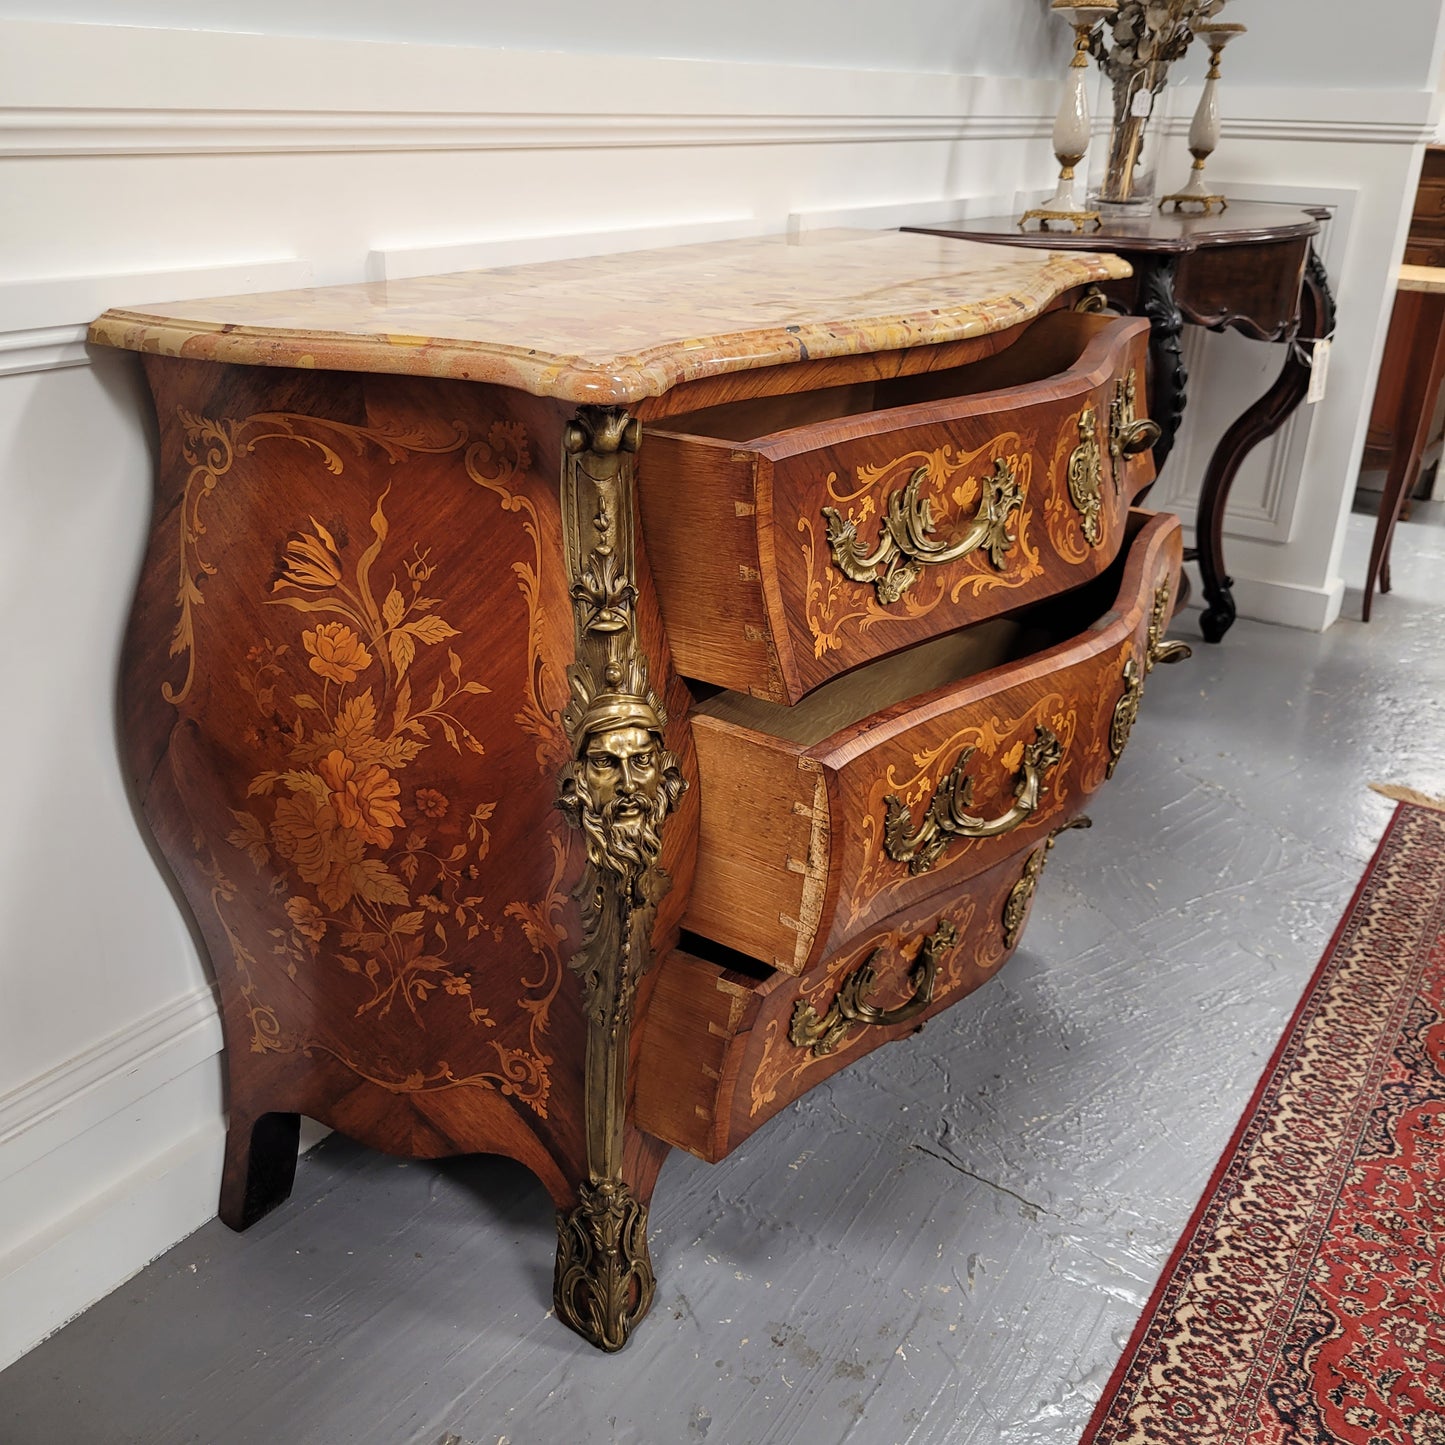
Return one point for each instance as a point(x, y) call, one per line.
point(1129, 433)
point(946, 819)
point(822, 1034)
point(907, 545)
point(1139, 436)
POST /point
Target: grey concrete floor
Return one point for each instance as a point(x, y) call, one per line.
point(947, 1245)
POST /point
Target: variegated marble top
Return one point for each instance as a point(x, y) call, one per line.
point(614, 329)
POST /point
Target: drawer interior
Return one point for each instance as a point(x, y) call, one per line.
point(909, 675)
point(1051, 345)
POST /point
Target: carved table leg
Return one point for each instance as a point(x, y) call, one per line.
point(1262, 420)
point(618, 790)
point(1168, 377)
point(1426, 318)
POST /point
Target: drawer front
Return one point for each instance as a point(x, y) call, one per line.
point(802, 849)
point(786, 561)
point(721, 1053)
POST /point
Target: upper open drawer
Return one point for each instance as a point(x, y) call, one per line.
point(794, 537)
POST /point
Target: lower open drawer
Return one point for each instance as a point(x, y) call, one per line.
point(723, 1049)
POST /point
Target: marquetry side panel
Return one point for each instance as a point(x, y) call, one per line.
point(341, 698)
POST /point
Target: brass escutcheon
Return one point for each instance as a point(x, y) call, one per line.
point(946, 819)
point(1086, 477)
point(1156, 650)
point(822, 1034)
point(906, 544)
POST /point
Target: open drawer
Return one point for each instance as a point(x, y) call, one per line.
point(723, 1048)
point(912, 775)
point(794, 537)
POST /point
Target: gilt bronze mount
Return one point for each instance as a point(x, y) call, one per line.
point(821, 1034)
point(907, 544)
point(1129, 433)
point(946, 817)
point(1021, 895)
point(617, 790)
point(1156, 650)
point(1086, 477)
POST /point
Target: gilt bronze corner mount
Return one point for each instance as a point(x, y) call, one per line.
point(617, 788)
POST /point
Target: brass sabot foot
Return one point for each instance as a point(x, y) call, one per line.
point(604, 1282)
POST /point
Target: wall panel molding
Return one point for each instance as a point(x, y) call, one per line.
point(42, 132)
point(43, 318)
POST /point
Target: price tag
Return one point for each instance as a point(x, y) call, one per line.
point(1143, 104)
point(1319, 370)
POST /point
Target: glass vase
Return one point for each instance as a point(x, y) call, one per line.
point(1127, 185)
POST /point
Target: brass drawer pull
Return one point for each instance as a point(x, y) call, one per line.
point(823, 1034)
point(946, 818)
point(906, 544)
point(1129, 433)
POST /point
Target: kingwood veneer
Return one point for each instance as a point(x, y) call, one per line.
point(790, 689)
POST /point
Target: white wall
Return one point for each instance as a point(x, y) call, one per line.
point(150, 164)
point(970, 37)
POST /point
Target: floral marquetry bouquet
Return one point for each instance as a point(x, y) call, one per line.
point(1135, 49)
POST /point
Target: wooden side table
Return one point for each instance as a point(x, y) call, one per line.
point(1252, 269)
point(1417, 332)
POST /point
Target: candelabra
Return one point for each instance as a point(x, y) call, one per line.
point(1071, 125)
point(1204, 129)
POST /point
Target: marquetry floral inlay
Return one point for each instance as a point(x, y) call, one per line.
point(374, 864)
point(358, 844)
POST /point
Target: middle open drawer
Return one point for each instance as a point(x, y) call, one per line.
point(916, 773)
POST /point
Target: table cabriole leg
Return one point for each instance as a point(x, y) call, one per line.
point(1260, 421)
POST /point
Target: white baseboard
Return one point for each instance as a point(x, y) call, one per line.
point(1312, 609)
point(90, 1216)
point(114, 1074)
point(106, 1162)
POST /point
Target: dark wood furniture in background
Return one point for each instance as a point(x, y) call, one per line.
point(1425, 244)
point(765, 610)
point(1411, 374)
point(1250, 269)
point(1411, 369)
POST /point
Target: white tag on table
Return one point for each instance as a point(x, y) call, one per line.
point(1319, 370)
point(1143, 104)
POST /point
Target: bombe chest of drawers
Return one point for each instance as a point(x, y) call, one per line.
point(586, 705)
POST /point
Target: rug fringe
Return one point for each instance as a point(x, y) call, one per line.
point(1408, 795)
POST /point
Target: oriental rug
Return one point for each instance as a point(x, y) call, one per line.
point(1305, 1303)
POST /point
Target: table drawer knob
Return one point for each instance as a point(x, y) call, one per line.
point(907, 545)
point(823, 1033)
point(946, 817)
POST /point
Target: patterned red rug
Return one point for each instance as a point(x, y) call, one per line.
point(1305, 1304)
